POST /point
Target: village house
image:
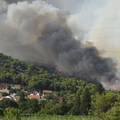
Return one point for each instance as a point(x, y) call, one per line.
point(4, 88)
point(15, 86)
point(34, 96)
point(46, 93)
point(5, 91)
point(38, 96)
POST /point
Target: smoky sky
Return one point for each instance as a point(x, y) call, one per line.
point(13, 1)
point(39, 32)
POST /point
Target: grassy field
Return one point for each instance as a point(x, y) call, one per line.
point(59, 118)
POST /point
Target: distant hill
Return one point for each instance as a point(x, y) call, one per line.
point(14, 71)
point(71, 95)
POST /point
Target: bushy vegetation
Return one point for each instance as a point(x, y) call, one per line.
point(72, 96)
point(54, 117)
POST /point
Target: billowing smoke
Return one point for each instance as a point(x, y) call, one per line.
point(38, 32)
point(97, 21)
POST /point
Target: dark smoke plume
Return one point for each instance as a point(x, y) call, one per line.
point(71, 56)
point(38, 32)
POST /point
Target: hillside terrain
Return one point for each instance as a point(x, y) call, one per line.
point(14, 71)
point(70, 95)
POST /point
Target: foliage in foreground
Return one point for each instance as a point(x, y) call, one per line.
point(55, 117)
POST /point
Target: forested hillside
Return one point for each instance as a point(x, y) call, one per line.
point(71, 95)
point(35, 76)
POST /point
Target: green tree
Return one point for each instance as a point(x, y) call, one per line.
point(85, 101)
point(76, 106)
point(12, 114)
point(101, 103)
point(7, 103)
point(113, 114)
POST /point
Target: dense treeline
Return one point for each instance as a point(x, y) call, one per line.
point(71, 95)
point(37, 77)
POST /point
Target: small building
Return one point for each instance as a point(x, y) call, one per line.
point(6, 97)
point(4, 88)
point(34, 96)
point(16, 86)
point(14, 97)
point(47, 93)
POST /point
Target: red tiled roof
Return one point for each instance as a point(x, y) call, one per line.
point(37, 97)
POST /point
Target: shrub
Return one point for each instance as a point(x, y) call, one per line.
point(113, 114)
point(12, 114)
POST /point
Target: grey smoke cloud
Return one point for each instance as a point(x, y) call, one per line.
point(39, 32)
point(14, 1)
point(97, 21)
